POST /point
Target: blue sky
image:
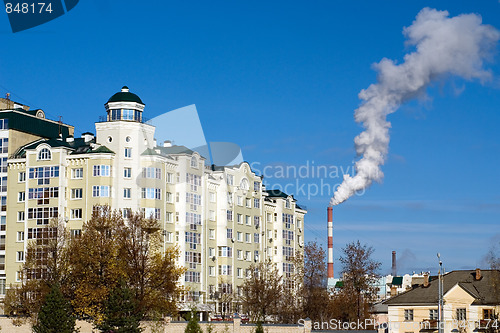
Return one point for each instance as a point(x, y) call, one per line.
point(281, 79)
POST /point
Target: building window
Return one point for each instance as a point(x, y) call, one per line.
point(168, 237)
point(128, 152)
point(150, 172)
point(127, 193)
point(3, 164)
point(256, 238)
point(256, 221)
point(213, 197)
point(76, 214)
point(194, 162)
point(77, 173)
point(239, 236)
point(4, 124)
point(126, 212)
point(151, 193)
point(4, 146)
point(20, 256)
point(247, 238)
point(248, 203)
point(461, 314)
point(256, 203)
point(211, 270)
point(240, 272)
point(248, 256)
point(127, 172)
point(20, 236)
point(169, 217)
point(256, 186)
point(76, 193)
point(211, 252)
point(247, 219)
point(230, 179)
point(225, 270)
point(239, 254)
point(20, 216)
point(100, 191)
point(102, 170)
point(22, 177)
point(44, 154)
point(229, 233)
point(76, 233)
point(42, 214)
point(211, 234)
point(408, 314)
point(433, 314)
point(152, 213)
point(170, 178)
point(229, 215)
point(211, 215)
point(21, 196)
point(43, 174)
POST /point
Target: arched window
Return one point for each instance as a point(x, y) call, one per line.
point(44, 154)
point(194, 162)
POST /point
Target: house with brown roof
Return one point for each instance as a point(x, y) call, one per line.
point(471, 304)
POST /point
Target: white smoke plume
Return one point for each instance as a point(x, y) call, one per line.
point(456, 46)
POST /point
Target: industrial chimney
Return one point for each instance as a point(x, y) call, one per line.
point(330, 243)
point(394, 271)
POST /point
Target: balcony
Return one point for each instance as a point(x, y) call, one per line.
point(429, 325)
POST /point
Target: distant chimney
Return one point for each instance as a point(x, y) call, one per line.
point(394, 291)
point(87, 136)
point(167, 143)
point(426, 280)
point(394, 271)
point(478, 274)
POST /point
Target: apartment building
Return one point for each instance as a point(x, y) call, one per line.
point(222, 217)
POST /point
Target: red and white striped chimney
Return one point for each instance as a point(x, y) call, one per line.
point(330, 243)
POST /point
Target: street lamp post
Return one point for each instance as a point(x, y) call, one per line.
point(440, 292)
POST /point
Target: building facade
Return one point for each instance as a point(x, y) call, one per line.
point(471, 304)
point(221, 217)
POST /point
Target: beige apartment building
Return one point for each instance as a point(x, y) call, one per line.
point(222, 217)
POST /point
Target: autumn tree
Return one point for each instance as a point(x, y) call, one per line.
point(262, 291)
point(314, 291)
point(112, 249)
point(359, 273)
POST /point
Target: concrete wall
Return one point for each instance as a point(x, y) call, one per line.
point(177, 327)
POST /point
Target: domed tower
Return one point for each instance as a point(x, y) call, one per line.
point(126, 134)
point(124, 105)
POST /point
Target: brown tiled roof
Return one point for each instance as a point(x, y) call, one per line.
point(485, 290)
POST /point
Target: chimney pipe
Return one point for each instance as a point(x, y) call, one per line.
point(330, 242)
point(426, 280)
point(478, 274)
point(394, 272)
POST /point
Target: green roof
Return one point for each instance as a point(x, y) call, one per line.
point(78, 146)
point(397, 281)
point(24, 121)
point(339, 284)
point(125, 96)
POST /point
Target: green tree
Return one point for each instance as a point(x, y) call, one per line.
point(193, 326)
point(121, 313)
point(259, 328)
point(56, 315)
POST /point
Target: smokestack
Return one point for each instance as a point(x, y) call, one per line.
point(330, 243)
point(426, 280)
point(394, 272)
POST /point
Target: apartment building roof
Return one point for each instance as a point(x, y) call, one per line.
point(78, 146)
point(34, 122)
point(125, 96)
point(479, 284)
